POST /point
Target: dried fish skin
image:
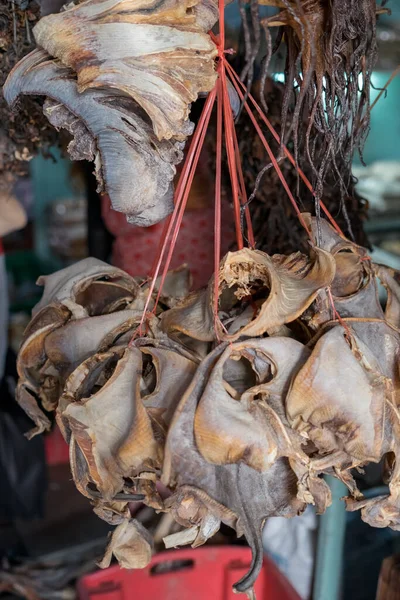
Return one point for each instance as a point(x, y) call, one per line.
point(158, 55)
point(241, 490)
point(191, 317)
point(278, 288)
point(351, 420)
point(173, 373)
point(232, 425)
point(135, 168)
point(384, 342)
point(113, 430)
point(339, 413)
point(67, 347)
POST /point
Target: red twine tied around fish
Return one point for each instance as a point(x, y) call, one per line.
point(225, 125)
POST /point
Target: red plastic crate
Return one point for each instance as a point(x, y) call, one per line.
point(209, 574)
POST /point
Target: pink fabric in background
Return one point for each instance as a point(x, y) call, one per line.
point(135, 248)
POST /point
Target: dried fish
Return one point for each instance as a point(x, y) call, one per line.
point(120, 79)
point(112, 44)
point(237, 430)
point(278, 289)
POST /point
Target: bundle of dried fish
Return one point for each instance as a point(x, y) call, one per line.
point(237, 405)
point(331, 51)
point(120, 79)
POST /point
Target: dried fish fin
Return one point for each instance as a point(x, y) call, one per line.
point(131, 544)
point(176, 286)
point(191, 317)
point(27, 401)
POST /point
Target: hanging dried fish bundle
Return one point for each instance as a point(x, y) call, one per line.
point(120, 78)
point(237, 404)
point(331, 50)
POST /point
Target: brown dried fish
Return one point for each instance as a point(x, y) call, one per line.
point(129, 47)
point(122, 86)
point(351, 419)
point(230, 489)
point(278, 290)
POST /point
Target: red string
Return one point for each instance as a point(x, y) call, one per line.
point(230, 150)
point(272, 158)
point(336, 314)
point(249, 224)
point(188, 185)
point(181, 197)
point(217, 222)
point(229, 126)
point(287, 152)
